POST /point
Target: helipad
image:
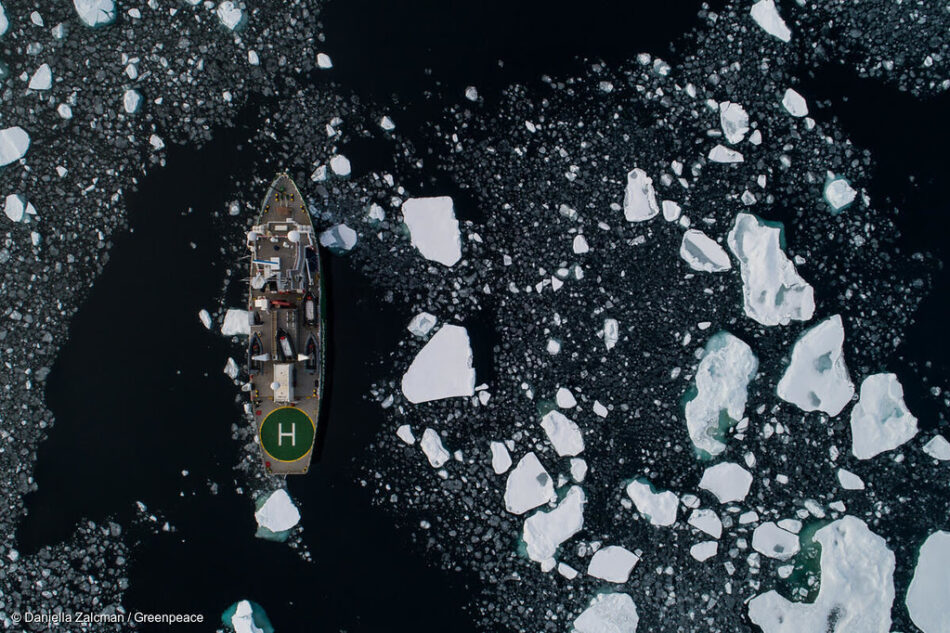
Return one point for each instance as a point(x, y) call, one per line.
point(287, 434)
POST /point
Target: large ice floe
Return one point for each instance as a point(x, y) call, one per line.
point(659, 507)
point(816, 377)
point(928, 597)
point(639, 198)
point(608, 613)
point(433, 229)
point(95, 12)
point(880, 421)
point(442, 368)
point(718, 399)
point(612, 563)
point(702, 253)
point(857, 587)
point(277, 514)
point(727, 481)
point(14, 141)
point(938, 447)
point(766, 16)
point(564, 435)
point(247, 617)
point(773, 292)
point(839, 194)
point(236, 322)
point(545, 530)
point(528, 486)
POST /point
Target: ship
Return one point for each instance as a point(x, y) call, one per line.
point(287, 317)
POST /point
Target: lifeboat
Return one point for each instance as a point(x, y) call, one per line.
point(254, 350)
point(309, 309)
point(311, 351)
point(285, 347)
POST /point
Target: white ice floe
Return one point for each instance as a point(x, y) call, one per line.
point(236, 322)
point(422, 323)
point(243, 619)
point(230, 14)
point(856, 592)
point(442, 368)
point(278, 513)
point(528, 486)
point(671, 210)
point(880, 421)
point(928, 597)
point(339, 238)
point(721, 389)
point(722, 154)
point(639, 198)
point(14, 141)
point(938, 448)
point(611, 333)
point(578, 469)
point(500, 458)
point(580, 245)
point(545, 530)
point(431, 444)
point(205, 318)
point(324, 62)
point(702, 253)
point(773, 292)
point(794, 103)
point(42, 79)
point(564, 398)
point(16, 207)
point(567, 571)
point(706, 521)
point(4, 22)
point(704, 551)
point(563, 433)
point(340, 165)
point(404, 432)
point(849, 481)
point(95, 12)
point(817, 378)
point(131, 101)
point(727, 481)
point(659, 507)
point(766, 15)
point(387, 124)
point(839, 193)
point(608, 613)
point(612, 563)
point(770, 540)
point(734, 121)
point(231, 368)
point(433, 229)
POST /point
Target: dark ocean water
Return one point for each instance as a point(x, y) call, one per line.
point(130, 419)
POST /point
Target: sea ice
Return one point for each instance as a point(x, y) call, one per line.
point(563, 433)
point(880, 421)
point(611, 333)
point(794, 103)
point(243, 619)
point(578, 469)
point(42, 79)
point(500, 458)
point(95, 12)
point(721, 389)
point(433, 229)
point(773, 292)
point(839, 194)
point(230, 14)
point(4, 22)
point(849, 481)
point(564, 398)
point(639, 199)
point(404, 432)
point(544, 531)
point(856, 592)
point(702, 253)
point(612, 563)
point(707, 521)
point(16, 207)
point(938, 448)
point(608, 613)
point(340, 165)
point(528, 486)
point(770, 540)
point(422, 323)
point(580, 246)
point(817, 377)
point(205, 319)
point(324, 62)
point(704, 551)
point(431, 445)
point(236, 322)
point(734, 121)
point(722, 154)
point(727, 481)
point(131, 101)
point(14, 141)
point(766, 15)
point(442, 368)
point(339, 238)
point(928, 596)
point(659, 507)
point(278, 513)
point(231, 368)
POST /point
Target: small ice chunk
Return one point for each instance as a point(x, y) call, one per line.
point(340, 165)
point(528, 486)
point(500, 459)
point(565, 399)
point(131, 101)
point(95, 12)
point(766, 15)
point(928, 596)
point(580, 245)
point(278, 513)
point(471, 93)
point(339, 238)
point(205, 319)
point(734, 121)
point(42, 79)
point(563, 433)
point(612, 563)
point(156, 142)
point(599, 409)
point(4, 21)
point(231, 368)
point(720, 392)
point(611, 333)
point(849, 481)
point(16, 207)
point(14, 141)
point(578, 469)
point(817, 377)
point(567, 571)
point(770, 540)
point(236, 322)
point(639, 200)
point(938, 448)
point(856, 591)
point(704, 551)
point(608, 613)
point(230, 14)
point(433, 229)
point(880, 421)
point(773, 292)
point(324, 61)
point(707, 521)
point(431, 444)
point(64, 111)
point(722, 154)
point(442, 368)
point(422, 323)
point(727, 481)
point(839, 194)
point(544, 531)
point(794, 103)
point(387, 124)
point(404, 432)
point(671, 211)
point(702, 253)
point(659, 507)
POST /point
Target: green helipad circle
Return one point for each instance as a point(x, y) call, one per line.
point(287, 434)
